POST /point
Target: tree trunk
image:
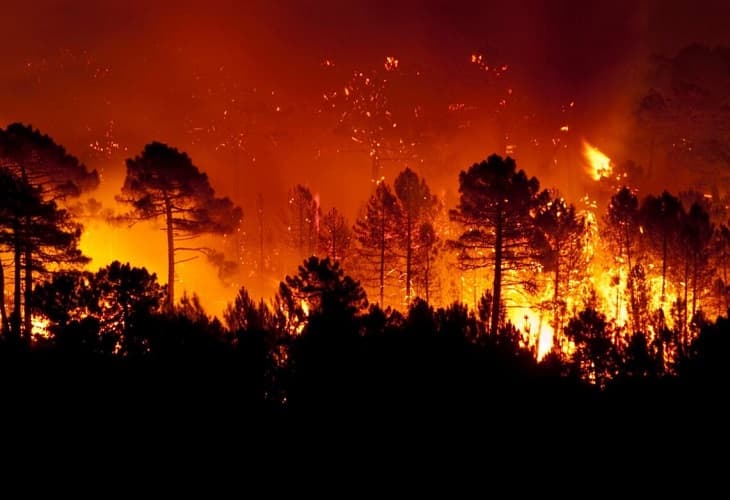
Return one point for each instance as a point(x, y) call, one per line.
point(724, 277)
point(497, 284)
point(694, 285)
point(428, 265)
point(618, 295)
point(3, 312)
point(664, 270)
point(629, 280)
point(686, 288)
point(382, 255)
point(17, 263)
point(28, 290)
point(556, 294)
point(170, 255)
point(28, 294)
point(408, 257)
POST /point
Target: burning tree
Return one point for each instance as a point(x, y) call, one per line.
point(417, 207)
point(564, 232)
point(164, 183)
point(622, 233)
point(497, 204)
point(377, 232)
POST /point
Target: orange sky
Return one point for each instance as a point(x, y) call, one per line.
point(239, 86)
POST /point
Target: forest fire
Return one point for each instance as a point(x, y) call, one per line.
point(300, 188)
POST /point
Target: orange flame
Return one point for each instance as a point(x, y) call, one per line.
point(599, 165)
point(40, 326)
point(537, 329)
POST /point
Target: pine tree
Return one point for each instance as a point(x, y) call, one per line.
point(696, 236)
point(376, 232)
point(334, 236)
point(38, 161)
point(622, 233)
point(53, 175)
point(661, 218)
point(417, 206)
point(39, 233)
point(496, 207)
point(164, 183)
point(563, 231)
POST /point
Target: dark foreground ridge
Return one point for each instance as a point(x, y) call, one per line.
point(413, 379)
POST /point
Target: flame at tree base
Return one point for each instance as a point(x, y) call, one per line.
point(535, 329)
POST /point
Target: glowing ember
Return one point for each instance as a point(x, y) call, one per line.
point(599, 165)
point(391, 63)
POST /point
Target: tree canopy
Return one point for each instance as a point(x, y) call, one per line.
point(164, 183)
point(496, 207)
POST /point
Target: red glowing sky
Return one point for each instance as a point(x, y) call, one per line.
point(589, 52)
point(164, 70)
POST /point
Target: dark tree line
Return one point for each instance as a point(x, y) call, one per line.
point(349, 358)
